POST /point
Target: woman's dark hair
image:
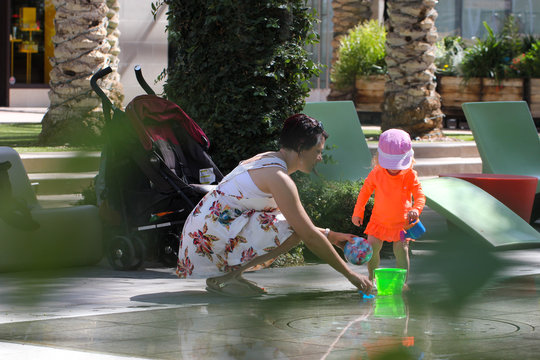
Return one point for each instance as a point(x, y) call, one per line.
point(301, 132)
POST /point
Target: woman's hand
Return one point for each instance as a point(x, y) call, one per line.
point(340, 239)
point(362, 282)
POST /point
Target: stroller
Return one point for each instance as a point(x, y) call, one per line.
point(154, 169)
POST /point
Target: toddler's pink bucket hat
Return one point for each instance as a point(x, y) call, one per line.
point(395, 150)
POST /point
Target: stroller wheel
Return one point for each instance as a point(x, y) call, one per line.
point(168, 249)
point(123, 253)
point(140, 251)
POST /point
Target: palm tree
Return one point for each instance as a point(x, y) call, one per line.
point(86, 40)
point(346, 15)
point(410, 100)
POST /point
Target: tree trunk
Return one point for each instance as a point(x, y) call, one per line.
point(410, 100)
point(347, 14)
point(86, 40)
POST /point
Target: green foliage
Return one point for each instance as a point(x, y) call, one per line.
point(330, 204)
point(449, 52)
point(528, 64)
point(240, 69)
point(294, 257)
point(361, 52)
point(492, 56)
point(89, 196)
point(156, 5)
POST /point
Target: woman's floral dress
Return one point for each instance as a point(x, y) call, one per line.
point(231, 225)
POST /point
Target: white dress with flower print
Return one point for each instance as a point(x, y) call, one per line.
point(232, 224)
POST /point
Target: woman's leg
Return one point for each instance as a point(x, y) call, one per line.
point(373, 263)
point(236, 274)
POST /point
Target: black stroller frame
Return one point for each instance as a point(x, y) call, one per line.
point(154, 170)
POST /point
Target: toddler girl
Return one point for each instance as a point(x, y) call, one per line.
point(395, 184)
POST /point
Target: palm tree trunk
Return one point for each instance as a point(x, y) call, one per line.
point(410, 100)
point(347, 14)
point(86, 40)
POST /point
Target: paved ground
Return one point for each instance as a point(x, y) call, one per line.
point(310, 313)
point(22, 115)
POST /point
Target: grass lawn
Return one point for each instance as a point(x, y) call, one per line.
point(24, 137)
point(372, 135)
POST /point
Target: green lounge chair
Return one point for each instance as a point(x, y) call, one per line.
point(350, 155)
point(507, 140)
point(63, 237)
point(469, 208)
point(478, 214)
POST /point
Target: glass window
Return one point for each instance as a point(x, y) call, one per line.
point(322, 52)
point(475, 12)
point(27, 50)
point(527, 13)
point(446, 19)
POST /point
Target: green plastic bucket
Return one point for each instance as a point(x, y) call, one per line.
point(390, 281)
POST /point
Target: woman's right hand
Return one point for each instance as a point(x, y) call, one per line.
point(362, 282)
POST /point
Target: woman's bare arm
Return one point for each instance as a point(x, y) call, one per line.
point(276, 182)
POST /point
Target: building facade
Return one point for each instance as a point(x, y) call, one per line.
point(27, 28)
point(25, 39)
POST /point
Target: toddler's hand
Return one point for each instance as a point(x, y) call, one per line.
point(412, 216)
point(357, 220)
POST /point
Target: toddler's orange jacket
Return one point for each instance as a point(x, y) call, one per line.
point(393, 198)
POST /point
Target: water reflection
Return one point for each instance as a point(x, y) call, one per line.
point(391, 306)
point(342, 325)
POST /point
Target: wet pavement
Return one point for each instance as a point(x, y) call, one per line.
point(310, 312)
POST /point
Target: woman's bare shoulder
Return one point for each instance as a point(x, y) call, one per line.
point(259, 156)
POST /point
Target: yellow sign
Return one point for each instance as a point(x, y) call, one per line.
point(28, 18)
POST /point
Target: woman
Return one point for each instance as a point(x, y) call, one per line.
point(255, 214)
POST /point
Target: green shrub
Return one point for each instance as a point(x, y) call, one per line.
point(88, 195)
point(449, 52)
point(528, 63)
point(330, 204)
point(361, 52)
point(239, 69)
point(492, 57)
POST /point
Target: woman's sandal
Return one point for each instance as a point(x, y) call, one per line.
point(236, 287)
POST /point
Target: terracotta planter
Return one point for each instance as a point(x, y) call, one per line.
point(454, 91)
point(504, 90)
point(369, 93)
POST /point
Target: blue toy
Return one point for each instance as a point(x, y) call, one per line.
point(415, 230)
point(359, 252)
point(365, 296)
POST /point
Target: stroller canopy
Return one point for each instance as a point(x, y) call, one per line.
point(146, 111)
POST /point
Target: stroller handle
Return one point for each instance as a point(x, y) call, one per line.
point(93, 82)
point(142, 82)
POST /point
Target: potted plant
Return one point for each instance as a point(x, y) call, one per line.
point(490, 60)
point(360, 66)
point(451, 86)
point(528, 65)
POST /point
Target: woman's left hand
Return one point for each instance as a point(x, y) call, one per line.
point(340, 239)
